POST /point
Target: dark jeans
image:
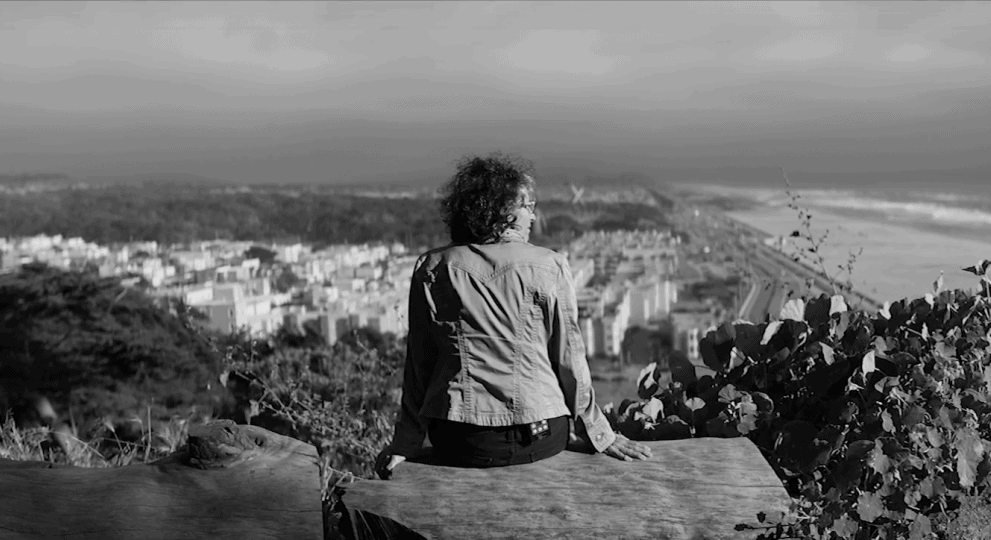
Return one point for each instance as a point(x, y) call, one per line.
point(466, 445)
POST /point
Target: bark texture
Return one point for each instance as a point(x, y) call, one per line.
point(229, 481)
point(689, 489)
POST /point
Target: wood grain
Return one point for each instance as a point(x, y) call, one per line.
point(229, 481)
point(689, 489)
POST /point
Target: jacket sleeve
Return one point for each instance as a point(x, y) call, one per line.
point(567, 354)
point(411, 428)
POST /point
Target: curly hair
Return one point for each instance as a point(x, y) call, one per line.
point(477, 204)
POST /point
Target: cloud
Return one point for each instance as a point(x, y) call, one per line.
point(802, 48)
point(568, 52)
point(908, 52)
point(255, 42)
point(930, 54)
point(800, 13)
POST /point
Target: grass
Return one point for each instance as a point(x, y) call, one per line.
point(38, 444)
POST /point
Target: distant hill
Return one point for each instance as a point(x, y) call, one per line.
point(158, 178)
point(36, 180)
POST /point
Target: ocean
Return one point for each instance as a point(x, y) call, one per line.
point(907, 237)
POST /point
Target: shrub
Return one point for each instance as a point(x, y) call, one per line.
point(877, 424)
point(342, 399)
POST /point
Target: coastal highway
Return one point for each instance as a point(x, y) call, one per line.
point(776, 274)
point(770, 289)
point(769, 261)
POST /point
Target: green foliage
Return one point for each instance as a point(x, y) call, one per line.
point(99, 349)
point(342, 399)
point(181, 213)
point(40, 444)
point(174, 214)
point(286, 280)
point(877, 424)
point(264, 256)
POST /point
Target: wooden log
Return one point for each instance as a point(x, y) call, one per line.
point(689, 489)
point(228, 481)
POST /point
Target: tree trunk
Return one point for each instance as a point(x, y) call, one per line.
point(689, 489)
point(229, 481)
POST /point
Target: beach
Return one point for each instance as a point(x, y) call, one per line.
point(905, 244)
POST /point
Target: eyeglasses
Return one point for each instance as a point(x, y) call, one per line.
point(530, 205)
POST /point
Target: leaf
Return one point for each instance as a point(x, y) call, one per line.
point(764, 403)
point(845, 527)
point(729, 394)
point(748, 337)
point(869, 506)
point(885, 310)
point(886, 423)
point(796, 442)
point(859, 449)
point(694, 404)
point(736, 358)
point(793, 310)
point(654, 409)
point(725, 332)
point(647, 384)
point(920, 529)
point(827, 354)
point(880, 346)
point(970, 452)
point(712, 353)
point(837, 305)
point(817, 311)
point(980, 269)
point(748, 423)
point(878, 460)
point(938, 284)
point(869, 363)
point(646, 373)
point(682, 369)
point(772, 328)
point(913, 415)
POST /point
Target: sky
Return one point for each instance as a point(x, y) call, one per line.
point(361, 91)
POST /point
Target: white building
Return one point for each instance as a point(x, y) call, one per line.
point(233, 306)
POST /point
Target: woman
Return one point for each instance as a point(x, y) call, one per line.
point(495, 365)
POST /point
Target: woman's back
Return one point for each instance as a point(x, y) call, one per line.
point(486, 314)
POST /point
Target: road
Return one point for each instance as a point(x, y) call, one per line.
point(772, 286)
point(777, 278)
point(783, 274)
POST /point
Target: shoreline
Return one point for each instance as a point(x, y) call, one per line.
point(898, 260)
point(777, 198)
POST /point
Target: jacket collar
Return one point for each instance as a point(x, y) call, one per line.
point(512, 235)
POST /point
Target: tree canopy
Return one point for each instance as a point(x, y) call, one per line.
point(101, 348)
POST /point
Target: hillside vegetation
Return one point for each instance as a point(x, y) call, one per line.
point(184, 212)
point(878, 425)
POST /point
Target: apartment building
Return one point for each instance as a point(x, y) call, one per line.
point(232, 306)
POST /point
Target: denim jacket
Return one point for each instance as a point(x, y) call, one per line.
point(494, 341)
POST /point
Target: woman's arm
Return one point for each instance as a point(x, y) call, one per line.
point(567, 353)
point(420, 357)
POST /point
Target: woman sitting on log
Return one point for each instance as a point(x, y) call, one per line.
point(495, 365)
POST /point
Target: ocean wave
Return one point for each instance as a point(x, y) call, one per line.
point(936, 212)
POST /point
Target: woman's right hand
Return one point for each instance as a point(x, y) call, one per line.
point(627, 450)
point(386, 461)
